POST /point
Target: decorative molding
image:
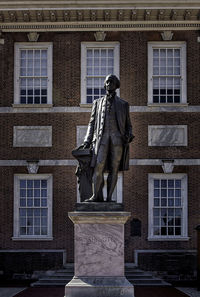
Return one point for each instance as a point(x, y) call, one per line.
point(174, 15)
point(1, 39)
point(1, 17)
point(13, 16)
point(32, 136)
point(147, 15)
point(134, 15)
point(120, 15)
point(58, 16)
point(93, 15)
point(187, 15)
point(167, 35)
point(79, 15)
point(161, 15)
point(100, 36)
point(66, 16)
point(168, 165)
point(53, 16)
point(17, 108)
point(85, 26)
point(132, 162)
point(167, 135)
point(26, 16)
point(107, 15)
point(33, 36)
point(39, 16)
point(32, 166)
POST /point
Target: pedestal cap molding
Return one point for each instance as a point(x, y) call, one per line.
point(100, 217)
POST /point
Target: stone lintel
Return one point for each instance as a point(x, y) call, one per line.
point(99, 217)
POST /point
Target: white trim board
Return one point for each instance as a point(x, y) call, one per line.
point(132, 162)
point(78, 109)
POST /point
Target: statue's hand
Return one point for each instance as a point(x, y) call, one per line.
point(86, 145)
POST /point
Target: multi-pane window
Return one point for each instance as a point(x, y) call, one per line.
point(167, 205)
point(167, 73)
point(98, 60)
point(33, 73)
point(33, 199)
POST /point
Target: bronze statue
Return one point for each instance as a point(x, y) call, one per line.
point(108, 135)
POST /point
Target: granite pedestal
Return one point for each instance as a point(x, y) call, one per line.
point(99, 255)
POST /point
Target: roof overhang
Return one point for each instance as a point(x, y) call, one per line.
point(99, 15)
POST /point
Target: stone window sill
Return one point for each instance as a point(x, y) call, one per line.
point(31, 238)
point(184, 238)
point(167, 104)
point(32, 105)
point(86, 105)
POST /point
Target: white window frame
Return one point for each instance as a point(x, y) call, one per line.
point(17, 178)
point(184, 195)
point(171, 44)
point(84, 47)
point(33, 45)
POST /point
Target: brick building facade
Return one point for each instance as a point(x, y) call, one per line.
point(51, 68)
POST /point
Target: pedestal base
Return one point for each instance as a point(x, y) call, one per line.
point(99, 255)
point(99, 287)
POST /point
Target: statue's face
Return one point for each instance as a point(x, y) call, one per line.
point(110, 85)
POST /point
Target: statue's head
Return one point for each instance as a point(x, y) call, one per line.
point(114, 79)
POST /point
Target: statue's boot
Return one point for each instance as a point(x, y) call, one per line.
point(111, 183)
point(97, 192)
point(92, 199)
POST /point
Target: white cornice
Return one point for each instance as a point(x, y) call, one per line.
point(93, 19)
point(99, 4)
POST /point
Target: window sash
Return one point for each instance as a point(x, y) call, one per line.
point(33, 206)
point(167, 72)
point(33, 73)
point(97, 61)
point(167, 206)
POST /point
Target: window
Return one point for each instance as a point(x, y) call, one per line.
point(97, 60)
point(32, 206)
point(33, 73)
point(167, 72)
point(167, 206)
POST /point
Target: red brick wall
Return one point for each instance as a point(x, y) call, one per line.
point(135, 196)
point(136, 201)
point(66, 64)
point(64, 135)
point(66, 92)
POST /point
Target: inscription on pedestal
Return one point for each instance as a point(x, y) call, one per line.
point(95, 240)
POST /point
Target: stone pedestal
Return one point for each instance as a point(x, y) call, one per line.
point(99, 255)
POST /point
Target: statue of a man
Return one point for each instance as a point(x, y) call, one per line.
point(109, 133)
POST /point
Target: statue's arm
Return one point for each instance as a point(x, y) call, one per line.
point(90, 130)
point(129, 133)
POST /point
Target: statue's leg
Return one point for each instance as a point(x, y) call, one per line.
point(115, 158)
point(98, 179)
